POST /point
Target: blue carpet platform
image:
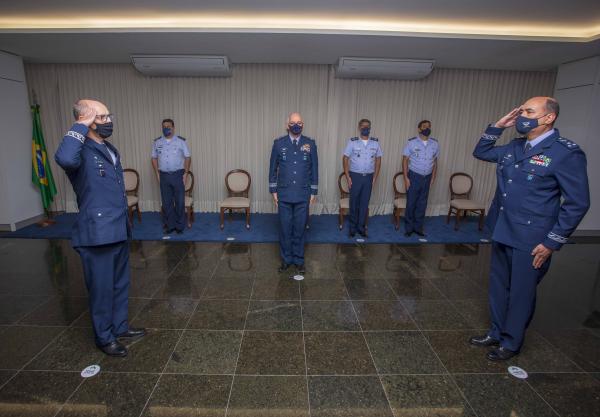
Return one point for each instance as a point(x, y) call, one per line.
point(264, 228)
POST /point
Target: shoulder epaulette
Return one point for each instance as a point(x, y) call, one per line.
point(355, 138)
point(412, 138)
point(157, 138)
point(374, 139)
point(567, 143)
point(433, 139)
point(181, 137)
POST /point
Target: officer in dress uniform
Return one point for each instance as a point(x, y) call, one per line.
point(362, 162)
point(101, 231)
point(419, 166)
point(171, 160)
point(527, 217)
point(293, 182)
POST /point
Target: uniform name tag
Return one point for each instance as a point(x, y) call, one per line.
point(540, 160)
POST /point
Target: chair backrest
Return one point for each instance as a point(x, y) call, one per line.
point(343, 186)
point(460, 185)
point(132, 180)
point(238, 183)
point(189, 184)
point(399, 186)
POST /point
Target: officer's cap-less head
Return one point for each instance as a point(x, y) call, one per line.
point(545, 109)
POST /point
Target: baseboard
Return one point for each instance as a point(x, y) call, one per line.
point(23, 223)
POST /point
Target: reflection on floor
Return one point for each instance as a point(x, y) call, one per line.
point(376, 330)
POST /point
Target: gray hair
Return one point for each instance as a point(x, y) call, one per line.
point(79, 108)
point(552, 106)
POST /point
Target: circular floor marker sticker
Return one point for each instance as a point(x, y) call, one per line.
point(517, 372)
point(359, 240)
point(230, 238)
point(90, 371)
point(484, 240)
point(298, 277)
point(166, 237)
point(422, 240)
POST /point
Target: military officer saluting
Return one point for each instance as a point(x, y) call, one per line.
point(171, 160)
point(362, 162)
point(419, 165)
point(542, 194)
point(101, 231)
point(293, 182)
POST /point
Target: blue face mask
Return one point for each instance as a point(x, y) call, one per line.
point(365, 131)
point(525, 124)
point(426, 132)
point(167, 131)
point(296, 129)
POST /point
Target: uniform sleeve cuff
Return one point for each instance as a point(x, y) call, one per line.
point(554, 241)
point(496, 131)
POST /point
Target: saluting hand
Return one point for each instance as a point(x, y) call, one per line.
point(510, 119)
point(540, 254)
point(87, 117)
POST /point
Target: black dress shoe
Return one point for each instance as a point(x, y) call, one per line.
point(500, 354)
point(407, 234)
point(352, 234)
point(283, 267)
point(132, 333)
point(363, 234)
point(178, 231)
point(300, 269)
point(484, 341)
point(114, 349)
point(420, 233)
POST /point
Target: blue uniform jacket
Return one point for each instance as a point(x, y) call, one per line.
point(294, 173)
point(527, 208)
point(99, 186)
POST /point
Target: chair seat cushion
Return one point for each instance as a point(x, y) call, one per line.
point(464, 204)
point(189, 201)
point(400, 203)
point(345, 203)
point(235, 202)
point(132, 200)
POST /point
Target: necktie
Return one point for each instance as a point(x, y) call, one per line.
point(295, 142)
point(527, 147)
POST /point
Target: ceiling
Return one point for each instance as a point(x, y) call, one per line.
point(512, 34)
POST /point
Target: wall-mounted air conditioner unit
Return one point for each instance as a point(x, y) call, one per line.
point(382, 68)
point(182, 65)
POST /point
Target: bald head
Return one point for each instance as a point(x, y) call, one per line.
point(86, 105)
point(541, 107)
point(293, 118)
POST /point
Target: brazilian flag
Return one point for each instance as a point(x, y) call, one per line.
point(41, 175)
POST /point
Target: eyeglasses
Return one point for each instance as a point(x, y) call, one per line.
point(106, 117)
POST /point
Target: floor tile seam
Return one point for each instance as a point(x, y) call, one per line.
point(174, 347)
point(373, 359)
point(439, 359)
point(237, 361)
point(304, 350)
point(560, 350)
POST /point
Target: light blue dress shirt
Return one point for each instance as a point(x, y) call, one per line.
point(362, 155)
point(421, 154)
point(170, 153)
point(540, 138)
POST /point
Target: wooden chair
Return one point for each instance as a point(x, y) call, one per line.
point(238, 183)
point(344, 207)
point(399, 198)
point(189, 198)
point(461, 185)
point(132, 184)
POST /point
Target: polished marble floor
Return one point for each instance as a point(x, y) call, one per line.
point(375, 330)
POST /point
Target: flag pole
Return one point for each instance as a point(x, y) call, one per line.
point(48, 221)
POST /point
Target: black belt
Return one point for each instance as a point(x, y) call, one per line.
point(358, 173)
point(171, 172)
